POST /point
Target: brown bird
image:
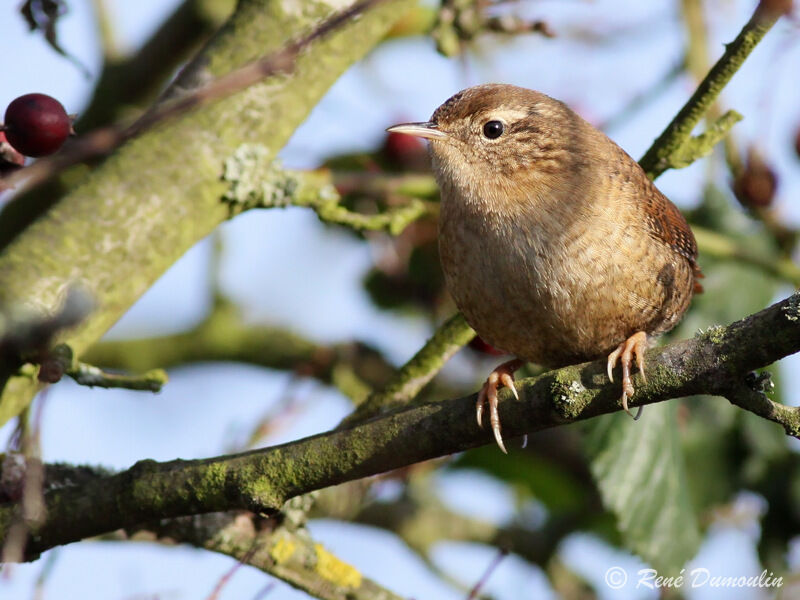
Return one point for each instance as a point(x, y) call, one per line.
point(555, 245)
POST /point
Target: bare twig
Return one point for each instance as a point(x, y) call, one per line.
point(226, 577)
point(103, 141)
point(678, 133)
point(417, 372)
point(91, 376)
point(473, 593)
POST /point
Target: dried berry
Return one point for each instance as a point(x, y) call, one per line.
point(776, 8)
point(755, 186)
point(36, 124)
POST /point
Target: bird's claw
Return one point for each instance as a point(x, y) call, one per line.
point(502, 375)
point(632, 348)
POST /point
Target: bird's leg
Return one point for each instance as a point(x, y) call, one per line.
point(634, 346)
point(502, 375)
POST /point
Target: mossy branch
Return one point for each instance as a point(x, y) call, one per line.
point(160, 193)
point(419, 370)
point(255, 181)
point(224, 335)
point(127, 80)
point(675, 145)
point(717, 362)
point(58, 361)
point(696, 147)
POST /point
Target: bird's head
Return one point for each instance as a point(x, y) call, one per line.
point(498, 139)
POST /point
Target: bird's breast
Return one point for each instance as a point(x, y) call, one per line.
point(549, 287)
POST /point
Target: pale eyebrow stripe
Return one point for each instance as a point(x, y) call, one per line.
point(508, 115)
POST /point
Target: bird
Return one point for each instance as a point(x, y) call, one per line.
point(555, 245)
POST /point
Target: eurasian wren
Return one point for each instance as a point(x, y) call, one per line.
point(555, 245)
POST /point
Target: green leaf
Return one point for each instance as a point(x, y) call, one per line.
point(639, 470)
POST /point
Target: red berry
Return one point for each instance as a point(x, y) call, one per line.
point(483, 347)
point(37, 124)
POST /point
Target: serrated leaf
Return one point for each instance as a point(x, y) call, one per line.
point(642, 479)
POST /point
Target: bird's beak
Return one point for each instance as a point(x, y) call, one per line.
point(424, 130)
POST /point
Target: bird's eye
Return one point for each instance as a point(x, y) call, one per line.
point(493, 129)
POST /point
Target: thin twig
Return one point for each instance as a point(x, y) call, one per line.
point(659, 157)
point(105, 25)
point(101, 142)
point(262, 593)
point(448, 339)
point(473, 594)
point(91, 376)
point(226, 577)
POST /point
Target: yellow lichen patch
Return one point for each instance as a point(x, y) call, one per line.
point(282, 550)
point(334, 570)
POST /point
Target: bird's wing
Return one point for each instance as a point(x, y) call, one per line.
point(666, 224)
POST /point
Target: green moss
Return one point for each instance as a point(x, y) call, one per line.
point(714, 334)
point(570, 397)
point(661, 379)
point(260, 478)
point(792, 425)
point(211, 483)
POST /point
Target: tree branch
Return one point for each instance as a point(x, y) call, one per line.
point(257, 182)
point(128, 80)
point(407, 382)
point(225, 336)
point(160, 193)
point(283, 549)
point(103, 141)
point(672, 146)
point(716, 362)
point(92, 376)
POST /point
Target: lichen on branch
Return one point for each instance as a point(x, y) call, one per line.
point(257, 181)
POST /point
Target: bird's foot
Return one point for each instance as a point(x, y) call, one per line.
point(502, 375)
point(634, 346)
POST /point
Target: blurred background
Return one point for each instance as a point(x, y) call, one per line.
point(625, 66)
